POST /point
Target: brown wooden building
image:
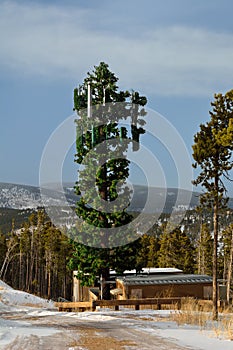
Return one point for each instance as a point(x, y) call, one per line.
point(163, 285)
point(151, 283)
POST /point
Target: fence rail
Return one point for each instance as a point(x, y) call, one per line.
point(91, 305)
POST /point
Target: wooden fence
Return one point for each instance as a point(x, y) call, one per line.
point(91, 305)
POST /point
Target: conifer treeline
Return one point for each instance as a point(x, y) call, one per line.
point(36, 257)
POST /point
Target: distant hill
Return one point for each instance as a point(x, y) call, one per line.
point(16, 196)
point(9, 216)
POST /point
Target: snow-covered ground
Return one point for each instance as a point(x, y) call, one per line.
point(12, 297)
point(28, 322)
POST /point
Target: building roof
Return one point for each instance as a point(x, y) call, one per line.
point(164, 279)
point(150, 270)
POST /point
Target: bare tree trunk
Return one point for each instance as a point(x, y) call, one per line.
point(7, 259)
point(20, 269)
point(49, 283)
point(215, 260)
point(48, 274)
point(229, 272)
point(6, 268)
point(225, 266)
point(31, 270)
point(199, 254)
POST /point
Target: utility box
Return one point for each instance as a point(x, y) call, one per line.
point(222, 290)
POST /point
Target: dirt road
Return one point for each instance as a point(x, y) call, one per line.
point(48, 331)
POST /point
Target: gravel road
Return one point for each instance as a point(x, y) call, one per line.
point(48, 331)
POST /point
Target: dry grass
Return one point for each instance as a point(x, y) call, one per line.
point(95, 341)
point(227, 309)
point(32, 305)
point(200, 313)
point(190, 314)
point(224, 328)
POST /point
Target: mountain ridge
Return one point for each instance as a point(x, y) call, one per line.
point(20, 196)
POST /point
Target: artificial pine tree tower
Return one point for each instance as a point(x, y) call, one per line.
point(103, 238)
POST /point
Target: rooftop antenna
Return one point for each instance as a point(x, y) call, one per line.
point(88, 100)
point(104, 96)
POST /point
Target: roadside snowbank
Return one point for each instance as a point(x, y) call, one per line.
point(12, 297)
point(3, 285)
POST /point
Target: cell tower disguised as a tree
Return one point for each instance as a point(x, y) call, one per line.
point(105, 239)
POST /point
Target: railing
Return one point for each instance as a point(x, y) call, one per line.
point(75, 305)
point(91, 305)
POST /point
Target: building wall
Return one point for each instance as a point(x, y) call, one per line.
point(176, 290)
point(80, 293)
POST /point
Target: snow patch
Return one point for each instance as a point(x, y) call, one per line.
point(12, 297)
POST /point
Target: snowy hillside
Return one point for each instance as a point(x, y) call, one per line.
point(17, 196)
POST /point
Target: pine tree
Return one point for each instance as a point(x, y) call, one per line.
point(101, 134)
point(143, 252)
point(176, 250)
point(212, 150)
point(204, 251)
point(154, 244)
point(147, 253)
point(227, 240)
point(24, 260)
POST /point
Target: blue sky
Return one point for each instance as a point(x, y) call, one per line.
point(177, 53)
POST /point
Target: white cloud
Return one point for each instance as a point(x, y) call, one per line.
point(64, 42)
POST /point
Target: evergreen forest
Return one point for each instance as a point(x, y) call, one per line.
point(37, 257)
